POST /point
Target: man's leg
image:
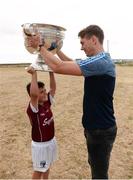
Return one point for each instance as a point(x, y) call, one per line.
point(99, 144)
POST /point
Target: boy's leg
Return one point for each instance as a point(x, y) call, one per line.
point(43, 155)
point(45, 174)
point(36, 175)
point(39, 175)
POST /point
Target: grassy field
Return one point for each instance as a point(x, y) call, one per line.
point(15, 150)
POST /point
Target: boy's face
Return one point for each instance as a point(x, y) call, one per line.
point(42, 94)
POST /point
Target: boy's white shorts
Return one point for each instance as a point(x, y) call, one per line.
point(43, 154)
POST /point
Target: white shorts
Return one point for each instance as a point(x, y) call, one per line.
point(43, 154)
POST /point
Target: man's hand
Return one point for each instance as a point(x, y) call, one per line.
point(31, 70)
point(35, 42)
point(59, 45)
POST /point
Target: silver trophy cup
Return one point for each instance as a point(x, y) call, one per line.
point(51, 34)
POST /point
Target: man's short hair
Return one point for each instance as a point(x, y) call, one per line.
point(92, 30)
point(40, 85)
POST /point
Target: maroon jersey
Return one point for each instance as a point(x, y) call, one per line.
point(42, 122)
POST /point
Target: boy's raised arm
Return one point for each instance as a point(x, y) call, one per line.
point(34, 91)
point(52, 84)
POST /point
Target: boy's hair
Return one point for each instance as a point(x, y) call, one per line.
point(92, 30)
point(40, 85)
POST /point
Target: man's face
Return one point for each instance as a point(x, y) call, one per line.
point(42, 94)
point(87, 45)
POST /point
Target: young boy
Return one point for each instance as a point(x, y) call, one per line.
point(44, 147)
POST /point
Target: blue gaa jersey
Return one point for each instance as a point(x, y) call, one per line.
point(99, 73)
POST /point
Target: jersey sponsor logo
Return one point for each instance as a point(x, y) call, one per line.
point(47, 121)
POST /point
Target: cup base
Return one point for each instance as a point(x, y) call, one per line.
point(41, 67)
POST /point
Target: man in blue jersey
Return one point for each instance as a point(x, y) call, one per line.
point(98, 113)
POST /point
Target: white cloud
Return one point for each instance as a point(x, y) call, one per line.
point(115, 17)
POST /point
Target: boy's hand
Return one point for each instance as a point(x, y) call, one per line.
point(51, 73)
point(31, 70)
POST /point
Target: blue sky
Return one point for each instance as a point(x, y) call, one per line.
point(114, 16)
